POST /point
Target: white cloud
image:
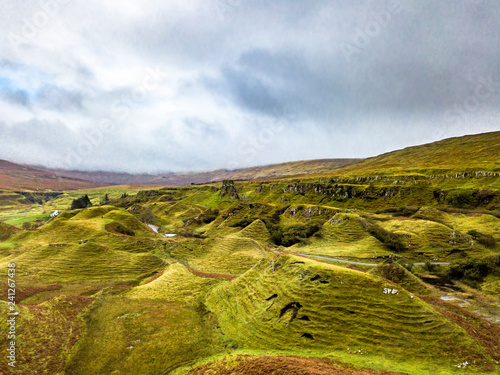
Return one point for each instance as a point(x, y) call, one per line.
point(222, 83)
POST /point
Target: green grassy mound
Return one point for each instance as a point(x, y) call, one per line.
point(401, 276)
point(483, 223)
point(86, 262)
point(142, 336)
point(176, 284)
point(344, 235)
point(298, 304)
point(228, 255)
point(116, 230)
point(93, 212)
point(430, 238)
point(257, 231)
point(433, 214)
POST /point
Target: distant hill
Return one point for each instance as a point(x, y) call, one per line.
point(20, 177)
point(181, 179)
point(472, 152)
point(479, 152)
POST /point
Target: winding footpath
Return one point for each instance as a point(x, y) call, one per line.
point(358, 263)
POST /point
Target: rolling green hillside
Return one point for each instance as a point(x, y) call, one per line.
point(371, 270)
point(295, 303)
point(468, 153)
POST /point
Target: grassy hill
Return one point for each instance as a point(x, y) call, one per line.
point(181, 179)
point(295, 303)
point(479, 152)
point(317, 274)
point(19, 177)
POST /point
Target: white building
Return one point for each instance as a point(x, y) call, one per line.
point(55, 213)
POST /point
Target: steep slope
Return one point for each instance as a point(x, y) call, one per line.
point(479, 152)
point(296, 304)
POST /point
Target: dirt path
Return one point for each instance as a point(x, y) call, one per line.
point(358, 263)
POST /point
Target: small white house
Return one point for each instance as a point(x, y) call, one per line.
point(55, 213)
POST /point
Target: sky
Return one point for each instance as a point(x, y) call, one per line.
point(156, 86)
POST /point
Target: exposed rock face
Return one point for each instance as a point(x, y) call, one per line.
point(38, 198)
point(260, 189)
point(309, 212)
point(229, 189)
point(341, 192)
point(440, 195)
point(134, 208)
point(147, 193)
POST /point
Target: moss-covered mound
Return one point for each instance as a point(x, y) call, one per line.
point(291, 303)
point(400, 275)
point(257, 231)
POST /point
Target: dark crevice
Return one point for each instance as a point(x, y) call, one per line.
point(346, 311)
point(305, 317)
point(294, 306)
point(318, 277)
point(308, 336)
point(297, 263)
point(272, 297)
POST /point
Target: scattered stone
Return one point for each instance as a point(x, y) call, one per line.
point(390, 291)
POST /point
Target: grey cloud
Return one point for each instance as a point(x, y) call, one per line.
point(60, 99)
point(227, 78)
point(18, 97)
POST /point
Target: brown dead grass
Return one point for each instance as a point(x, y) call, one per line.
point(111, 228)
point(356, 268)
point(20, 177)
point(208, 275)
point(23, 293)
point(155, 276)
point(44, 341)
point(483, 331)
point(268, 365)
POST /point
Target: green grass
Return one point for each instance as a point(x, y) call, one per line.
point(401, 276)
point(348, 310)
point(229, 255)
point(177, 284)
point(256, 231)
point(472, 152)
point(87, 262)
point(142, 336)
point(344, 236)
point(45, 334)
point(152, 293)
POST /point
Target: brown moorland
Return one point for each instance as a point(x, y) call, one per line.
point(292, 365)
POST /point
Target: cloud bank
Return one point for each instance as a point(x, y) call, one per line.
point(158, 86)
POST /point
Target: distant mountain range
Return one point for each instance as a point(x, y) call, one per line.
point(22, 177)
point(479, 152)
point(18, 177)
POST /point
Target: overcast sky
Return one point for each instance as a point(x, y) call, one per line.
point(188, 85)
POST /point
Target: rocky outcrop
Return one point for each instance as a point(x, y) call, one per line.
point(341, 192)
point(228, 189)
